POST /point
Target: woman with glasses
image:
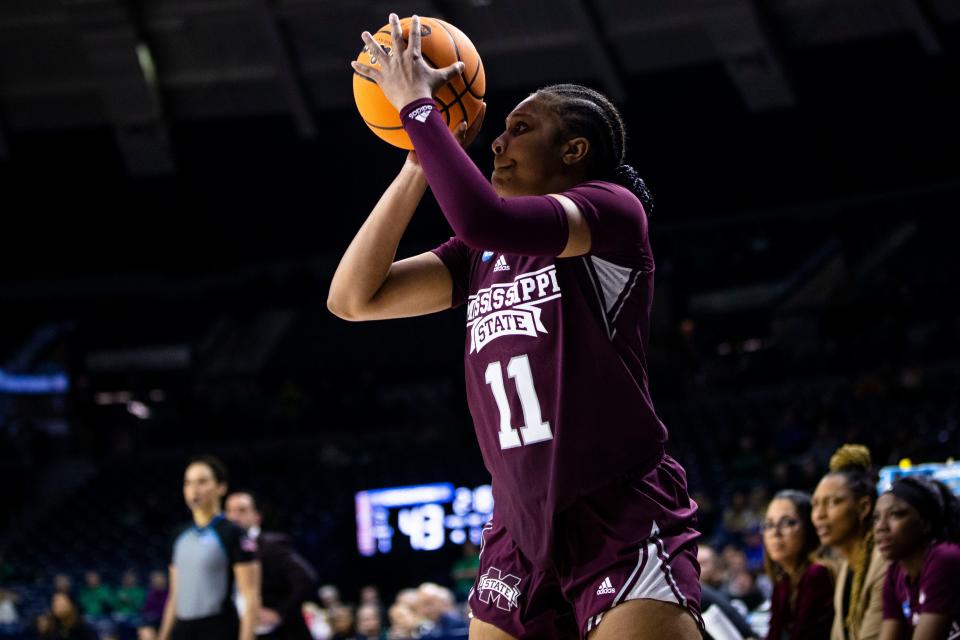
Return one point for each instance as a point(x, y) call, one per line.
point(802, 602)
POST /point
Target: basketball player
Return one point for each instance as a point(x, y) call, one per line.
point(917, 528)
point(209, 557)
point(592, 534)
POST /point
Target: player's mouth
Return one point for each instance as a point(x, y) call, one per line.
point(504, 166)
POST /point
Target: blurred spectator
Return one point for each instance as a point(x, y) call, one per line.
point(403, 622)
point(735, 561)
point(95, 598)
point(712, 572)
point(341, 621)
point(719, 615)
point(437, 609)
point(410, 598)
point(369, 623)
point(329, 596)
point(62, 584)
point(8, 608)
point(743, 587)
point(44, 627)
point(370, 594)
point(317, 621)
point(146, 633)
point(130, 597)
point(781, 476)
point(753, 548)
point(156, 599)
point(67, 622)
point(738, 517)
point(465, 571)
point(802, 602)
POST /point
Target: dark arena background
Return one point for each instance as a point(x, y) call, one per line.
point(178, 179)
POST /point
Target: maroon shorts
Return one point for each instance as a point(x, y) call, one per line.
point(630, 541)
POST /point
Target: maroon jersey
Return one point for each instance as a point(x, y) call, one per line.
point(936, 589)
point(555, 359)
point(810, 614)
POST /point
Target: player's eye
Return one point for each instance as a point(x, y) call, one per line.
point(520, 127)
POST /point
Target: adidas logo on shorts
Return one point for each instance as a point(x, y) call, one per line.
point(420, 114)
point(501, 264)
point(605, 587)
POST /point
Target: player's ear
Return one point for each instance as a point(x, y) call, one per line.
point(575, 150)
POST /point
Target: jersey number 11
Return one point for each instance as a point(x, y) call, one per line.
point(534, 429)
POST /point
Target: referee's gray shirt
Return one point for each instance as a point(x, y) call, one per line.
point(203, 558)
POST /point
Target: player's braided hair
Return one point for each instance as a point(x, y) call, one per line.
point(935, 503)
point(853, 463)
point(588, 113)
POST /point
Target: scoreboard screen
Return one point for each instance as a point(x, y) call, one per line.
point(426, 516)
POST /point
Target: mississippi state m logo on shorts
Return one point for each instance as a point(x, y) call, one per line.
point(502, 590)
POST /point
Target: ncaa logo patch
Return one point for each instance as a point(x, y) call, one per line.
point(501, 590)
point(486, 256)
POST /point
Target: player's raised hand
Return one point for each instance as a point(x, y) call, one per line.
point(403, 75)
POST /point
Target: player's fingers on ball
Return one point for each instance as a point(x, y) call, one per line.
point(415, 36)
point(366, 71)
point(373, 46)
point(396, 33)
point(452, 71)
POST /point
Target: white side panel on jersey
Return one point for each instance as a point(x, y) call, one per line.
point(613, 280)
point(613, 284)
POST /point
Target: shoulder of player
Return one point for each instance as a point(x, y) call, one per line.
point(818, 572)
point(943, 556)
point(604, 186)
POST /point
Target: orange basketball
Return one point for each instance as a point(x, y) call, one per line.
point(441, 45)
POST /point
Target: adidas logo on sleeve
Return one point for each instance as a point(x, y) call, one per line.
point(501, 264)
point(420, 114)
point(606, 587)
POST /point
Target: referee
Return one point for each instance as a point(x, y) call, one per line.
point(210, 556)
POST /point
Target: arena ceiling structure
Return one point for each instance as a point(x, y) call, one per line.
point(141, 66)
point(192, 136)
